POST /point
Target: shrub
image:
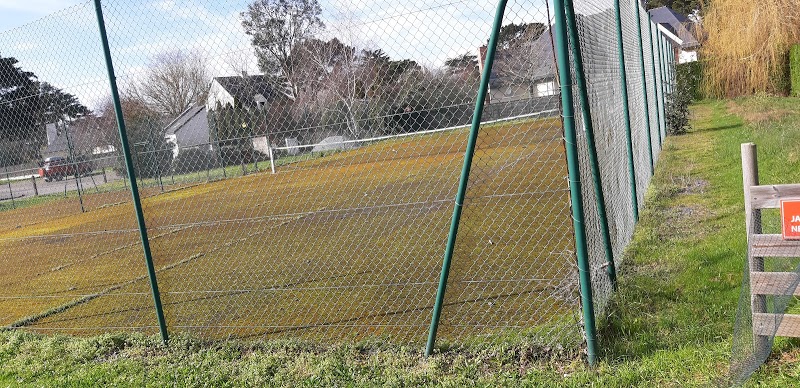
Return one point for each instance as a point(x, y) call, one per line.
point(794, 69)
point(746, 44)
point(236, 152)
point(193, 160)
point(687, 81)
point(691, 74)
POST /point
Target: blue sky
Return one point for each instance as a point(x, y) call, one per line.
point(58, 40)
point(14, 13)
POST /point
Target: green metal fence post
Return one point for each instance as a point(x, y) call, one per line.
point(665, 50)
point(137, 204)
point(588, 126)
point(626, 113)
point(662, 73)
point(661, 59)
point(671, 51)
point(671, 69)
point(576, 197)
point(655, 76)
point(462, 185)
point(644, 87)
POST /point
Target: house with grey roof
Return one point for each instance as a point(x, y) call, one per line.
point(679, 30)
point(245, 91)
point(189, 130)
point(248, 92)
point(522, 72)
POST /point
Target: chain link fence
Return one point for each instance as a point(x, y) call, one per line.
point(297, 162)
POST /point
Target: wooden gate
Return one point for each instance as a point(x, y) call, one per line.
point(760, 246)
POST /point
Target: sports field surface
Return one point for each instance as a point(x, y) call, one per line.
point(345, 245)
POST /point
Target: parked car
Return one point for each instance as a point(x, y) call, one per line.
point(58, 167)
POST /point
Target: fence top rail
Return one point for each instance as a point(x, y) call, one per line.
point(770, 196)
point(418, 133)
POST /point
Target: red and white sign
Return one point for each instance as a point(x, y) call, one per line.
point(790, 219)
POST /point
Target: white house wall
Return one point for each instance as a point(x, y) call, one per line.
point(217, 95)
point(687, 56)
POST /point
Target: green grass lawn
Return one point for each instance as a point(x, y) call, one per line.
point(669, 325)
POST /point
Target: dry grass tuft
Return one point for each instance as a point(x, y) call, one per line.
point(747, 46)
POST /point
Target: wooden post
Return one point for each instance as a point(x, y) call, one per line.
point(35, 189)
point(753, 224)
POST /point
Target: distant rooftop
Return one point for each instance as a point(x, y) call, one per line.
point(246, 88)
point(677, 24)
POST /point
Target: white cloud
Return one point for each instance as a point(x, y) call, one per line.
point(39, 7)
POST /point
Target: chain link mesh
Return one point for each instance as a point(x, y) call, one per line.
point(69, 235)
point(298, 163)
point(596, 24)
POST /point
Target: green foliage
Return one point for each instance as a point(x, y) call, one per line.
point(276, 28)
point(58, 104)
point(685, 7)
point(193, 160)
point(152, 154)
point(512, 35)
point(19, 103)
point(231, 132)
point(28, 105)
point(150, 151)
point(687, 81)
point(689, 77)
point(794, 69)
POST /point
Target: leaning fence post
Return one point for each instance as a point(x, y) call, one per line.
point(576, 197)
point(462, 185)
point(662, 76)
point(137, 204)
point(626, 113)
point(586, 113)
point(655, 78)
point(661, 84)
point(644, 88)
point(753, 225)
point(35, 189)
point(664, 80)
point(10, 191)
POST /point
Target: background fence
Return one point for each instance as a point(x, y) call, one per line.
point(297, 163)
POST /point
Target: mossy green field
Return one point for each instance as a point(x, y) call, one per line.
point(345, 245)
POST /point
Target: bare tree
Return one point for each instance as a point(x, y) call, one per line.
point(333, 71)
point(175, 80)
point(240, 62)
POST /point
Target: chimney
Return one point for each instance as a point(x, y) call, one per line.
point(481, 57)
